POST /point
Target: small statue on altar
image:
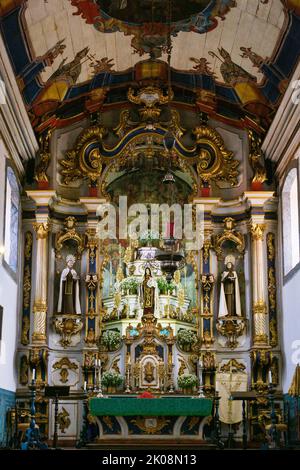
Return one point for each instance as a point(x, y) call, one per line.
point(68, 300)
point(230, 303)
point(149, 294)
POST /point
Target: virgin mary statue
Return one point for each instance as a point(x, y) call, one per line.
point(68, 300)
point(230, 303)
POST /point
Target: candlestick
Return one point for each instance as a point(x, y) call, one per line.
point(270, 376)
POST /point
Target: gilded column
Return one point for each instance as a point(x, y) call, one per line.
point(260, 314)
point(40, 299)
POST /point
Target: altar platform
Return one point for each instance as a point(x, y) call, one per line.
point(123, 418)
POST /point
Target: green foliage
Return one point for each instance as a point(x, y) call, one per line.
point(164, 286)
point(112, 379)
point(130, 284)
point(187, 381)
point(111, 339)
point(186, 339)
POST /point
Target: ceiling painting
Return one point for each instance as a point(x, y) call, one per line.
point(234, 57)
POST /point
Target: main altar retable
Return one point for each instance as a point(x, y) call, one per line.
point(121, 316)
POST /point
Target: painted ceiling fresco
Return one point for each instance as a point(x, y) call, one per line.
point(65, 53)
point(209, 25)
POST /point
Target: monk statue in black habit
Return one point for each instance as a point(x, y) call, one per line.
point(68, 300)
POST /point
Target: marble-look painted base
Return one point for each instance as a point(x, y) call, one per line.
point(7, 400)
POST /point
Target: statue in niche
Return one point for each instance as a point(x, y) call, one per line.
point(149, 372)
point(68, 300)
point(149, 295)
point(230, 303)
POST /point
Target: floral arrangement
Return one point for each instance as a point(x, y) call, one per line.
point(186, 339)
point(112, 379)
point(164, 286)
point(130, 284)
point(111, 339)
point(187, 381)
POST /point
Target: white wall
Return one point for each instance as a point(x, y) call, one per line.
point(290, 328)
point(8, 299)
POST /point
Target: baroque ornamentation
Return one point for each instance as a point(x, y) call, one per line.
point(256, 157)
point(149, 97)
point(64, 365)
point(41, 230)
point(214, 161)
point(231, 328)
point(84, 160)
point(44, 157)
point(26, 288)
point(69, 233)
point(257, 231)
point(67, 327)
point(271, 250)
point(63, 420)
point(229, 234)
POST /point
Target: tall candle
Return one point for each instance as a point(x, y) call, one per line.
point(84, 386)
point(270, 376)
point(33, 374)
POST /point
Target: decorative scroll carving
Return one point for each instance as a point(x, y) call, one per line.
point(231, 328)
point(63, 420)
point(84, 161)
point(69, 233)
point(234, 366)
point(67, 327)
point(64, 365)
point(215, 162)
point(229, 234)
point(149, 96)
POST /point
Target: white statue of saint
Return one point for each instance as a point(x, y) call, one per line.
point(230, 302)
point(68, 300)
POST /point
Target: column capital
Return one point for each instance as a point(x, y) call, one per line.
point(41, 230)
point(257, 231)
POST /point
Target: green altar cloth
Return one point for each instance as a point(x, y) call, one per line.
point(175, 406)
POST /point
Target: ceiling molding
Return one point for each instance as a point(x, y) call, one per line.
point(15, 126)
point(283, 137)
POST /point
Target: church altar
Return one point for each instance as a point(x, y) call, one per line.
point(129, 417)
point(168, 406)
